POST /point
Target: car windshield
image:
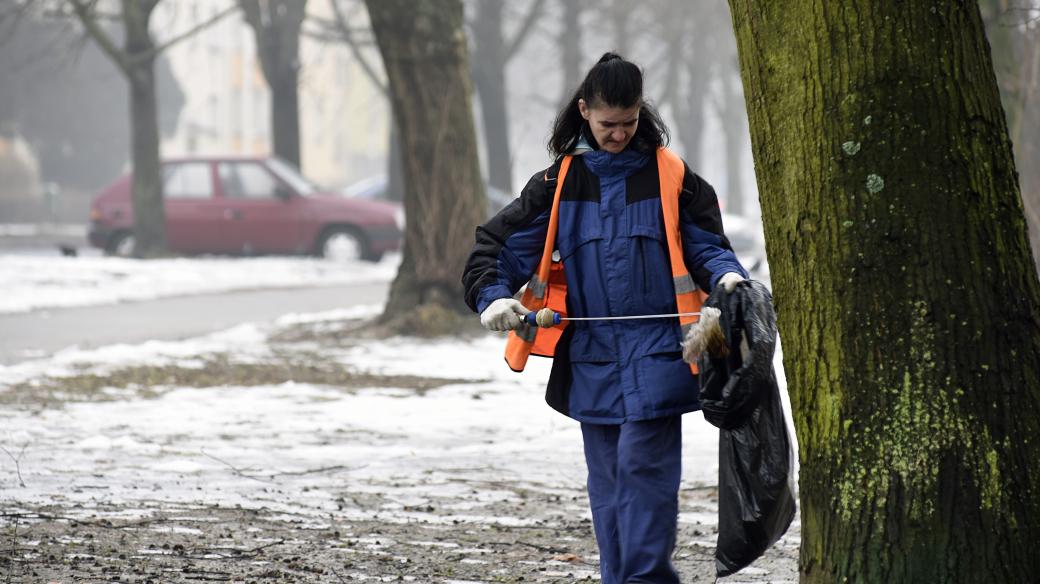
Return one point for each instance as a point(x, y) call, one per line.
point(290, 175)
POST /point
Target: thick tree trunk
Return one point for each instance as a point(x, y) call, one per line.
point(906, 294)
point(489, 76)
point(424, 52)
point(149, 214)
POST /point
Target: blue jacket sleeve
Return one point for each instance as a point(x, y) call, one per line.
point(706, 249)
point(509, 246)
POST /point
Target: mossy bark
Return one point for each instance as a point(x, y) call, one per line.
point(424, 52)
point(905, 289)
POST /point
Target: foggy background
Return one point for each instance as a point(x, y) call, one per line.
point(63, 106)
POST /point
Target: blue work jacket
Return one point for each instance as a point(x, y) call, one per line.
point(612, 243)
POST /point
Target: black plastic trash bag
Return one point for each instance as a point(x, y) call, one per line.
point(739, 395)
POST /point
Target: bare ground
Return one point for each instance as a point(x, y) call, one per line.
point(351, 537)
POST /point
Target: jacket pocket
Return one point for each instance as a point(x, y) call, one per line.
point(650, 277)
point(569, 243)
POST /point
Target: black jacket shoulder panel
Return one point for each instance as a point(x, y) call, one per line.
point(700, 205)
point(580, 184)
point(482, 265)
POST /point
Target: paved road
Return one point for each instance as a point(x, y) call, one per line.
point(37, 334)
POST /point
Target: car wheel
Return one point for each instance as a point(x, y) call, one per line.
point(342, 244)
point(121, 245)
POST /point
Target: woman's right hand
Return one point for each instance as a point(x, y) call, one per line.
point(504, 314)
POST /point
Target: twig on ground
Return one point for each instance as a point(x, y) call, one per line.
point(335, 573)
point(236, 552)
point(229, 553)
point(313, 471)
point(541, 548)
point(235, 469)
point(102, 523)
point(17, 460)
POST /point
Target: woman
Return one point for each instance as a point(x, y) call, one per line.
point(623, 380)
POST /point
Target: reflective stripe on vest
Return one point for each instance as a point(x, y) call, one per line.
point(548, 286)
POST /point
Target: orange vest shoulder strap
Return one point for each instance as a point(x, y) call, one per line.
point(688, 298)
point(522, 341)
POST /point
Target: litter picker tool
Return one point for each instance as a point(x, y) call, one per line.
point(546, 317)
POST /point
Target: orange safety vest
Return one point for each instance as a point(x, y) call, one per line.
point(548, 286)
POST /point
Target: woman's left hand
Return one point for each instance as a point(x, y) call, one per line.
point(730, 280)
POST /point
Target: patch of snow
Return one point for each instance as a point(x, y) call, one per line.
point(37, 282)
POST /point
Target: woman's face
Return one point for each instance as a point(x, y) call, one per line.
point(612, 127)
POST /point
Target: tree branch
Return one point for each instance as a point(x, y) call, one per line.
point(17, 463)
point(331, 26)
point(191, 31)
point(525, 28)
point(84, 13)
point(355, 48)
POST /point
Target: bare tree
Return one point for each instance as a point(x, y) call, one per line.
point(136, 61)
point(276, 25)
point(359, 40)
point(58, 95)
point(687, 35)
point(424, 52)
point(906, 293)
point(492, 51)
point(569, 42)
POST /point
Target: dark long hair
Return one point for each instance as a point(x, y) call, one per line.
point(613, 82)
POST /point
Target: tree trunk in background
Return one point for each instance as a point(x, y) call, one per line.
point(489, 75)
point(689, 114)
point(569, 43)
point(1016, 58)
point(394, 165)
point(906, 294)
point(285, 115)
point(276, 26)
point(424, 51)
point(734, 121)
point(621, 21)
point(1027, 148)
point(149, 213)
point(685, 77)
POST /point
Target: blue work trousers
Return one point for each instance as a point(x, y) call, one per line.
point(634, 472)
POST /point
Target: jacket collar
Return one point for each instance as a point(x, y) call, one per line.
point(603, 163)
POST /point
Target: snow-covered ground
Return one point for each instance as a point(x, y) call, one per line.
point(466, 453)
point(475, 452)
point(498, 425)
point(32, 282)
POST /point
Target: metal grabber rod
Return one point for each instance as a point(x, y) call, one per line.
point(546, 317)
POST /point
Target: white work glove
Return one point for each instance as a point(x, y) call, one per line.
point(504, 314)
point(730, 280)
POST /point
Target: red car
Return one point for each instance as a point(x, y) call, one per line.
point(249, 206)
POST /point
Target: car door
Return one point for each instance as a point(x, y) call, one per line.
point(264, 212)
point(194, 218)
